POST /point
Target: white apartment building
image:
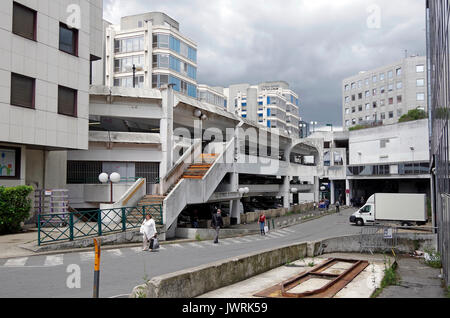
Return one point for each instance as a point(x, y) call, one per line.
point(385, 94)
point(272, 104)
point(47, 48)
point(212, 95)
point(148, 50)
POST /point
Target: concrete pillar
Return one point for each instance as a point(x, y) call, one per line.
point(166, 128)
point(332, 192)
point(235, 210)
point(316, 189)
point(286, 193)
point(348, 192)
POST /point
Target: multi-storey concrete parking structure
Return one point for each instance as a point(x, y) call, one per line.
point(383, 95)
point(272, 104)
point(439, 54)
point(47, 49)
point(148, 50)
point(190, 153)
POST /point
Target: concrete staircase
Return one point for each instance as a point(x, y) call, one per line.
point(137, 214)
point(198, 170)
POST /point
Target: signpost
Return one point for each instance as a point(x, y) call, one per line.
point(97, 244)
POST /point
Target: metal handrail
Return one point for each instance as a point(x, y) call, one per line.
point(70, 226)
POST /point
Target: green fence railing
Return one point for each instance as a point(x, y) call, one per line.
point(75, 225)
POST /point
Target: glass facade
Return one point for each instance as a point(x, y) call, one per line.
point(438, 47)
point(129, 45)
point(166, 41)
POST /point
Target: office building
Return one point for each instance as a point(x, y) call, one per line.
point(382, 96)
point(47, 52)
point(272, 104)
point(439, 79)
point(148, 50)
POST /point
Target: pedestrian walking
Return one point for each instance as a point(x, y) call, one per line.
point(148, 230)
point(338, 206)
point(262, 223)
point(315, 205)
point(217, 223)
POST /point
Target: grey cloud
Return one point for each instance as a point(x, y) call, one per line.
point(312, 44)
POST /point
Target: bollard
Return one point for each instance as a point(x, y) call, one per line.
point(97, 243)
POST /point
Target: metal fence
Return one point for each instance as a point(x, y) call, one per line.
point(57, 227)
point(378, 238)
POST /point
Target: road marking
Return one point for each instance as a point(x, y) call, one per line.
point(54, 260)
point(246, 240)
point(115, 252)
point(223, 242)
point(196, 245)
point(16, 262)
point(278, 234)
point(284, 231)
point(137, 249)
point(234, 241)
point(289, 230)
point(176, 245)
point(162, 248)
point(87, 256)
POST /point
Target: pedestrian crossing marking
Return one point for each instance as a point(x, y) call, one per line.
point(234, 241)
point(137, 249)
point(277, 234)
point(87, 256)
point(54, 260)
point(115, 252)
point(16, 262)
point(196, 245)
point(176, 245)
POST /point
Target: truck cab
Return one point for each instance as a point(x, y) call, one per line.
point(366, 214)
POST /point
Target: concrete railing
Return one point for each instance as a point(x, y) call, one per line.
point(180, 167)
point(251, 217)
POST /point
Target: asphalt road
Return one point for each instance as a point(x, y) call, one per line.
point(123, 269)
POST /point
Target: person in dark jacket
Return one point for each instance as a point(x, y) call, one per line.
point(217, 223)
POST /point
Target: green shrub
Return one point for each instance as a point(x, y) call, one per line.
point(415, 114)
point(14, 208)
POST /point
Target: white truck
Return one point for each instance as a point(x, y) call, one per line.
point(393, 208)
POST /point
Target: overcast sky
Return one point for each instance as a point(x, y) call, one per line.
point(311, 44)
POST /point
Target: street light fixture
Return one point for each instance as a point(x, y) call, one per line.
point(314, 123)
point(113, 178)
point(134, 68)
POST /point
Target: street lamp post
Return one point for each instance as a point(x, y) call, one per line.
point(314, 123)
point(113, 178)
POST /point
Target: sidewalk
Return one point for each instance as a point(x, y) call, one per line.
point(10, 245)
point(417, 280)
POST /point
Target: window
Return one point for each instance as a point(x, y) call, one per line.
point(383, 143)
point(383, 116)
point(391, 115)
point(367, 93)
point(68, 39)
point(399, 99)
point(382, 90)
point(374, 79)
point(347, 123)
point(399, 85)
point(420, 68)
point(367, 81)
point(391, 101)
point(374, 92)
point(353, 85)
point(22, 90)
point(420, 82)
point(390, 74)
point(399, 113)
point(359, 84)
point(390, 87)
point(399, 71)
point(382, 102)
point(347, 99)
point(24, 21)
point(382, 77)
point(347, 87)
point(353, 98)
point(374, 104)
point(367, 106)
point(347, 111)
point(353, 109)
point(360, 108)
point(360, 96)
point(67, 101)
point(420, 96)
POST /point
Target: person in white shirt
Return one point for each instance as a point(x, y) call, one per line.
point(148, 230)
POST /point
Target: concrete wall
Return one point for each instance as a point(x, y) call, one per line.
point(401, 138)
point(203, 279)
